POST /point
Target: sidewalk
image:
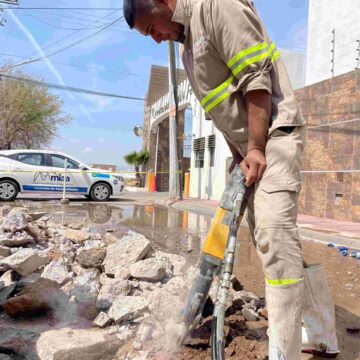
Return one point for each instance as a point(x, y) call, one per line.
point(311, 228)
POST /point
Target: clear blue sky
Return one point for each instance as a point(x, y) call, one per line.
point(115, 61)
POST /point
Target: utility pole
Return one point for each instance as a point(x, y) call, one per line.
point(174, 176)
point(333, 54)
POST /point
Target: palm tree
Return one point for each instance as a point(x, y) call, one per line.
point(137, 159)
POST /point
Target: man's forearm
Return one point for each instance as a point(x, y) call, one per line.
point(258, 104)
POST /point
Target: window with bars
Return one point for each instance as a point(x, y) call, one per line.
point(199, 150)
point(211, 147)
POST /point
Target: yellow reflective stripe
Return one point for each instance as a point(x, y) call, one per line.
point(219, 94)
point(245, 52)
point(272, 47)
point(282, 281)
point(250, 61)
point(275, 55)
point(217, 90)
point(271, 52)
point(217, 101)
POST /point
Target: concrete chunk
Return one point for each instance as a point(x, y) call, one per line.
point(91, 257)
point(76, 236)
point(14, 221)
point(126, 251)
point(85, 287)
point(102, 320)
point(14, 239)
point(127, 308)
point(77, 344)
point(177, 261)
point(56, 271)
point(111, 289)
point(7, 285)
point(153, 269)
point(25, 261)
point(5, 251)
point(36, 297)
point(250, 314)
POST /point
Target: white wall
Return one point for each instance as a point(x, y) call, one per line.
point(324, 16)
point(295, 65)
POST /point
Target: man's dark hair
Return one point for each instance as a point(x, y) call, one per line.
point(129, 12)
point(132, 8)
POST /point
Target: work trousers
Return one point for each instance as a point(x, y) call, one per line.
point(272, 217)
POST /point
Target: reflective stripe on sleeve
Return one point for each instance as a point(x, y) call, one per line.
point(282, 281)
point(252, 55)
point(239, 62)
point(217, 95)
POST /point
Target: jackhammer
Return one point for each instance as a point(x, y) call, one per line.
point(217, 258)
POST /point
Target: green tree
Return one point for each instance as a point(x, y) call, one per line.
point(137, 159)
point(29, 113)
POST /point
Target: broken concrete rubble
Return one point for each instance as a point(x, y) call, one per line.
point(17, 238)
point(76, 236)
point(77, 344)
point(127, 308)
point(85, 287)
point(125, 288)
point(125, 252)
point(5, 251)
point(250, 314)
point(110, 290)
point(102, 320)
point(153, 269)
point(14, 221)
point(37, 297)
point(7, 285)
point(57, 271)
point(25, 261)
point(91, 257)
point(17, 339)
point(178, 262)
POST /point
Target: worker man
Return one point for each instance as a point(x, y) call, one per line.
point(238, 76)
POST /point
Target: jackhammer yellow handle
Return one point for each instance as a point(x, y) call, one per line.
point(216, 240)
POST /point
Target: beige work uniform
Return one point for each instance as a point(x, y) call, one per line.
point(227, 53)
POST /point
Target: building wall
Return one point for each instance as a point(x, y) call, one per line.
point(324, 16)
point(335, 147)
point(295, 64)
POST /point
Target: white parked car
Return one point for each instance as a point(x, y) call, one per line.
point(40, 171)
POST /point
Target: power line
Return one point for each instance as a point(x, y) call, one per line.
point(61, 27)
point(91, 68)
point(65, 18)
point(60, 50)
point(73, 12)
point(68, 36)
point(70, 88)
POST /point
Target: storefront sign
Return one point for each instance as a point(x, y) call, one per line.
point(162, 106)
